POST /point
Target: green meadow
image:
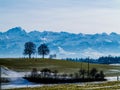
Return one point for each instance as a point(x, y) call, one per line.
point(20, 64)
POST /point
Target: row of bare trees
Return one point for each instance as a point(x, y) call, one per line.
point(82, 73)
point(30, 48)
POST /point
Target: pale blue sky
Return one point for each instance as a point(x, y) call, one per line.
point(76, 16)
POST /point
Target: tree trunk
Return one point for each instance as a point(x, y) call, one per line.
point(43, 56)
point(0, 77)
point(29, 56)
point(88, 70)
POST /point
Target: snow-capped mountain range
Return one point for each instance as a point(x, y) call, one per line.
point(63, 44)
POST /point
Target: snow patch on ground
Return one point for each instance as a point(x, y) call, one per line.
point(115, 64)
point(112, 78)
point(16, 79)
point(114, 70)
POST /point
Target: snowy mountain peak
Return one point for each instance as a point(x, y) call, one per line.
point(113, 34)
point(16, 30)
point(104, 34)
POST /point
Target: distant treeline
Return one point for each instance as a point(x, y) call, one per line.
point(101, 60)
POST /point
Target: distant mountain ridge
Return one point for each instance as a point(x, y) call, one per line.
point(63, 44)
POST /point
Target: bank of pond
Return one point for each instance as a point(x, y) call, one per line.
point(47, 76)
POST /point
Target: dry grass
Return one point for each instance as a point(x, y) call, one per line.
point(86, 86)
point(20, 64)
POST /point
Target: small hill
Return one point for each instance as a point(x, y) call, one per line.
point(54, 64)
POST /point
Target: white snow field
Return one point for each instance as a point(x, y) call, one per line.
point(16, 80)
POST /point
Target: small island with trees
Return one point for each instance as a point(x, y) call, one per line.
point(47, 76)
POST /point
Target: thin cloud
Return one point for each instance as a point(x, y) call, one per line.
point(86, 16)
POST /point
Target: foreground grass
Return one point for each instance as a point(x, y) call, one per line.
point(86, 86)
point(62, 66)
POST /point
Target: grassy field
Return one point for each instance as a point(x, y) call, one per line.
point(86, 86)
point(63, 66)
point(20, 64)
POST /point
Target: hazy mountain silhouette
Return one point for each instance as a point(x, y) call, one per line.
point(64, 44)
